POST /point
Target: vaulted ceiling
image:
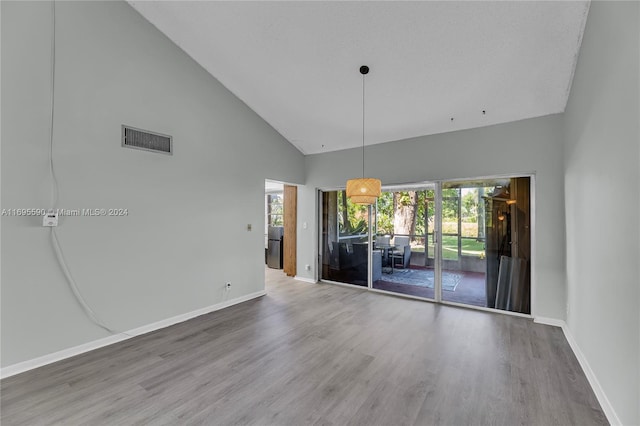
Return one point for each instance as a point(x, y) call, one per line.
point(435, 66)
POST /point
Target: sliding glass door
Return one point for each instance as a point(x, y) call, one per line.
point(486, 254)
point(465, 242)
point(404, 240)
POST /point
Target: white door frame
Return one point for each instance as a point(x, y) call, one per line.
point(438, 243)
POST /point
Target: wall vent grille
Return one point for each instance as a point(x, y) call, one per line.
point(145, 140)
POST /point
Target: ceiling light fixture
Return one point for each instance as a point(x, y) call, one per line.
point(363, 190)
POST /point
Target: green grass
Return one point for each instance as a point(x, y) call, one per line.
point(470, 247)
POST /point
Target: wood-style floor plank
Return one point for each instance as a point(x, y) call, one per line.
point(317, 354)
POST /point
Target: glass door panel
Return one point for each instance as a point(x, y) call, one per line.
point(345, 234)
point(463, 263)
point(403, 246)
point(486, 243)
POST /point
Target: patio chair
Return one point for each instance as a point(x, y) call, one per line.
point(343, 256)
point(334, 260)
point(383, 240)
point(382, 243)
point(401, 255)
point(360, 262)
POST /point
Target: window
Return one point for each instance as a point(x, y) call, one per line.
point(275, 210)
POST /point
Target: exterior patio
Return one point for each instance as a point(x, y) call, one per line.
point(460, 286)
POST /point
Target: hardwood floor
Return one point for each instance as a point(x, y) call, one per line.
point(317, 354)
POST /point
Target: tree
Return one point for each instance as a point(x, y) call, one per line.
point(352, 217)
point(450, 204)
point(346, 224)
point(481, 216)
point(470, 206)
point(385, 213)
point(404, 220)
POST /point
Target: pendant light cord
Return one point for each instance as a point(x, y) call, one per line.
point(363, 126)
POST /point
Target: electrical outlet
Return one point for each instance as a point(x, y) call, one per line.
point(227, 286)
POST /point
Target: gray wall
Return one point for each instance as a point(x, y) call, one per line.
point(528, 146)
point(185, 234)
point(602, 190)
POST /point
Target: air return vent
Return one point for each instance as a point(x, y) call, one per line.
point(148, 141)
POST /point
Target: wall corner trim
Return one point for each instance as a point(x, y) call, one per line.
point(23, 366)
point(304, 279)
point(612, 417)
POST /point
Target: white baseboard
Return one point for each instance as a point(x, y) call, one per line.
point(303, 279)
point(550, 321)
point(612, 417)
point(21, 367)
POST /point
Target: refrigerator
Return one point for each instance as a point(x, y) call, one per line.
point(274, 247)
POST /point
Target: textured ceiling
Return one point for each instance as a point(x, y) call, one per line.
point(295, 63)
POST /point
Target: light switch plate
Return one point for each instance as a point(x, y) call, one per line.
point(50, 218)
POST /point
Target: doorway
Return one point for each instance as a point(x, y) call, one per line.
point(280, 226)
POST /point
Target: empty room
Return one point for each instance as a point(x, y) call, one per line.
point(320, 212)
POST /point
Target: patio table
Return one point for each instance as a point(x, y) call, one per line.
point(386, 248)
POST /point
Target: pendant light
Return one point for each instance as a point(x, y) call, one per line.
point(363, 190)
